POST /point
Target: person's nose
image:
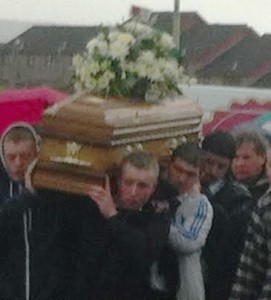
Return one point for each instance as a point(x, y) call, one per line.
point(18, 161)
point(213, 169)
point(182, 178)
point(133, 189)
point(239, 162)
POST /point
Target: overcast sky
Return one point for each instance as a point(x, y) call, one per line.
point(255, 13)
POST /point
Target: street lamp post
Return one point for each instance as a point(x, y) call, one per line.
point(176, 23)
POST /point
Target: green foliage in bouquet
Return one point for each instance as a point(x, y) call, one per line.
point(132, 61)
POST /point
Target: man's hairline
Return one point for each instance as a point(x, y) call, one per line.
point(217, 155)
point(188, 163)
point(254, 146)
point(16, 142)
point(147, 168)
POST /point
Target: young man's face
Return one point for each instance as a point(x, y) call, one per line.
point(18, 156)
point(247, 164)
point(213, 168)
point(136, 187)
point(183, 175)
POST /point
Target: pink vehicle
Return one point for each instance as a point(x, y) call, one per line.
point(26, 105)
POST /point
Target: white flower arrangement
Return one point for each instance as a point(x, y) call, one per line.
point(133, 61)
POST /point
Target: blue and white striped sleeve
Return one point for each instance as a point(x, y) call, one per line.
point(189, 231)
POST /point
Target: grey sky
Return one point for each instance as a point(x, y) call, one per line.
point(254, 13)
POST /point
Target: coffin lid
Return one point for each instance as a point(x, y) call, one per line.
point(111, 121)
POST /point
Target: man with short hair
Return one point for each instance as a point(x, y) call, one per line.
point(248, 166)
point(19, 147)
point(232, 206)
point(191, 222)
point(136, 229)
point(253, 277)
point(137, 182)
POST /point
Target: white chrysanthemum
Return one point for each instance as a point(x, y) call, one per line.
point(105, 64)
point(169, 68)
point(97, 45)
point(144, 64)
point(166, 41)
point(124, 37)
point(104, 80)
point(147, 66)
point(131, 53)
point(120, 44)
point(94, 68)
point(118, 50)
point(83, 73)
point(137, 28)
point(77, 60)
point(146, 57)
point(140, 69)
point(90, 83)
point(129, 67)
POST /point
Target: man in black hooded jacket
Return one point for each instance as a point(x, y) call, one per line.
point(50, 243)
point(232, 206)
point(19, 147)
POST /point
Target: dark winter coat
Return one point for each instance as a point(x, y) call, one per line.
point(258, 186)
point(55, 245)
point(50, 246)
point(133, 242)
point(232, 206)
point(8, 187)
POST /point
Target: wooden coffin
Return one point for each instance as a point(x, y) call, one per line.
point(86, 136)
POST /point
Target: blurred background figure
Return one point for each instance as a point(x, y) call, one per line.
point(253, 278)
point(248, 166)
point(19, 147)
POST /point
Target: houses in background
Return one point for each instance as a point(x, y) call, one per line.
point(215, 54)
point(43, 55)
point(221, 54)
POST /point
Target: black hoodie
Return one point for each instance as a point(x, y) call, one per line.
point(50, 243)
point(55, 245)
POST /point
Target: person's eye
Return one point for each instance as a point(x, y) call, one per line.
point(142, 185)
point(10, 157)
point(128, 182)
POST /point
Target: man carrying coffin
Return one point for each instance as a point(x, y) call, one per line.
point(19, 146)
point(55, 245)
point(136, 227)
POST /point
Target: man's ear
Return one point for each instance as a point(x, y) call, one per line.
point(114, 176)
point(263, 159)
point(154, 188)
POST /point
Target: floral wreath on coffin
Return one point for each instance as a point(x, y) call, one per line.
point(131, 61)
